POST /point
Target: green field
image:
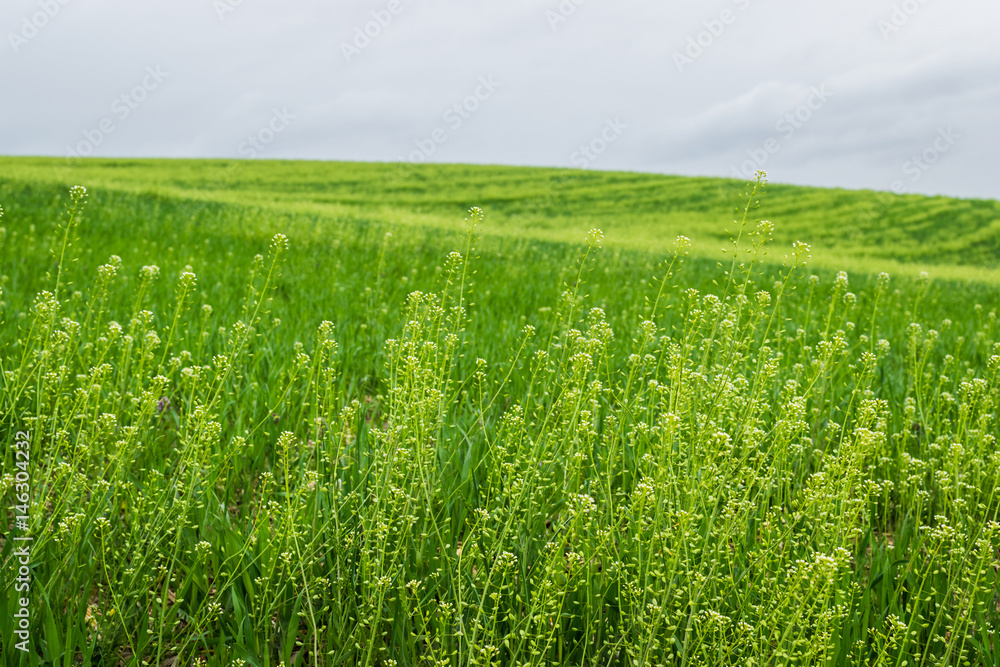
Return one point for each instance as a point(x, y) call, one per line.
point(849, 230)
point(304, 413)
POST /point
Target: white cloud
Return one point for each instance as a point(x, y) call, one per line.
point(608, 59)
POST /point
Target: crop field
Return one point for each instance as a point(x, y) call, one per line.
point(298, 413)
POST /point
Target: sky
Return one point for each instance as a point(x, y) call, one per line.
point(900, 95)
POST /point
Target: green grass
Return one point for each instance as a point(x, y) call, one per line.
point(397, 442)
point(850, 230)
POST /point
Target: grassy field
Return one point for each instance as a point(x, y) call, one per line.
point(849, 230)
point(320, 413)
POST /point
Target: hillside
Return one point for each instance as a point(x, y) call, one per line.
point(304, 414)
point(855, 230)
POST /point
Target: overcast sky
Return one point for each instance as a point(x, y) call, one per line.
point(881, 94)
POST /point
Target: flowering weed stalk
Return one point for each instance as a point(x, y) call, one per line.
point(476, 458)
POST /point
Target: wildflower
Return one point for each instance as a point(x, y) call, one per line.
point(648, 329)
point(188, 279)
point(106, 272)
point(476, 216)
point(151, 340)
point(594, 238)
point(279, 242)
point(78, 193)
point(202, 548)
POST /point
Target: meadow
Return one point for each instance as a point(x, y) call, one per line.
point(363, 414)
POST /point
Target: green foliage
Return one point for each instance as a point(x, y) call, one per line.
point(261, 438)
point(860, 231)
